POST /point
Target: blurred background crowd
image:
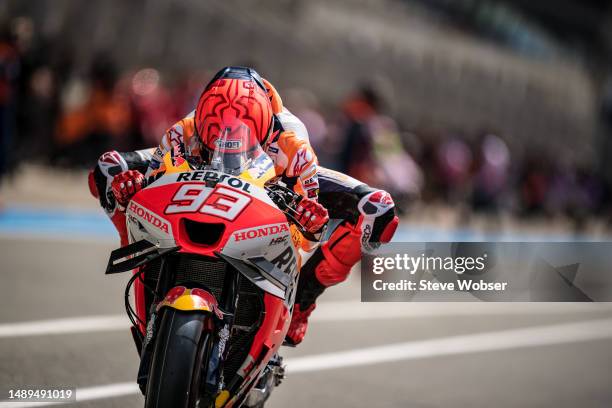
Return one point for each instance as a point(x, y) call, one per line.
point(480, 105)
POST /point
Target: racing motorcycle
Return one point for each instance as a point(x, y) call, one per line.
point(215, 254)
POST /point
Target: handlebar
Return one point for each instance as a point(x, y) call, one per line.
point(287, 201)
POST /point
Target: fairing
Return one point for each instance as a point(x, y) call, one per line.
point(254, 237)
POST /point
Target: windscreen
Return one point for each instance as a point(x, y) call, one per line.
point(236, 150)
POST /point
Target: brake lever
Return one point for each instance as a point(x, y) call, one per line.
point(287, 201)
point(308, 235)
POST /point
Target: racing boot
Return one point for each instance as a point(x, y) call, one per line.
point(329, 265)
point(272, 376)
point(299, 324)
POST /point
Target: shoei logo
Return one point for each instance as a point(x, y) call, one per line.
point(260, 232)
point(149, 217)
point(229, 144)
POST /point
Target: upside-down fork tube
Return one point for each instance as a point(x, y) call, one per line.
point(229, 301)
point(139, 300)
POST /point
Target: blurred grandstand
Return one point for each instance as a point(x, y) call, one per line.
point(482, 106)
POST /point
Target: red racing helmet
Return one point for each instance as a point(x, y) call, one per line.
point(235, 96)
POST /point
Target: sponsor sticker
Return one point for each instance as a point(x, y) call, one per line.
point(214, 178)
point(149, 217)
point(303, 157)
point(260, 232)
point(279, 240)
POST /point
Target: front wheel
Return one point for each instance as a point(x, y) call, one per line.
point(180, 351)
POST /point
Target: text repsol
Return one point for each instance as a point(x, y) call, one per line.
point(201, 175)
point(285, 261)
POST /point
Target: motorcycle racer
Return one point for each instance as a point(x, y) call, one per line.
point(366, 215)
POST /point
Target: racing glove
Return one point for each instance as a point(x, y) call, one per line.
point(126, 184)
point(312, 215)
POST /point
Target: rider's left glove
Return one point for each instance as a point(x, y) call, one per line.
point(312, 215)
point(126, 184)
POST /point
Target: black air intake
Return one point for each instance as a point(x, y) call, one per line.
point(203, 233)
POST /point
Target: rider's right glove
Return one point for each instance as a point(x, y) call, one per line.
point(126, 184)
point(312, 215)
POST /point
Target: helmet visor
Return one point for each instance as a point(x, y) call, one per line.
point(235, 148)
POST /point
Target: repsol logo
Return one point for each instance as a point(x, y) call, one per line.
point(285, 261)
point(212, 176)
point(149, 217)
point(260, 232)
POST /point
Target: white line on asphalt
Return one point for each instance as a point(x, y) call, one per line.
point(84, 324)
point(355, 310)
point(465, 344)
point(88, 239)
point(332, 311)
point(469, 343)
point(85, 394)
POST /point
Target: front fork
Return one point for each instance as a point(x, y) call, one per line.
point(192, 299)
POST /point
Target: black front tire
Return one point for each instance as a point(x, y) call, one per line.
point(180, 350)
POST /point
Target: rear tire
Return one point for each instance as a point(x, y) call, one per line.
point(180, 350)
